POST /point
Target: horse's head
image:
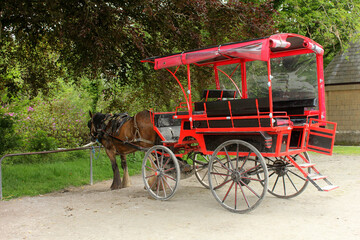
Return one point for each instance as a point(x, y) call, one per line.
point(95, 125)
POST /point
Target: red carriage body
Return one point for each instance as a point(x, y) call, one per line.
point(267, 93)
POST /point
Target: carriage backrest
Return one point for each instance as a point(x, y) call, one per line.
point(239, 107)
point(218, 93)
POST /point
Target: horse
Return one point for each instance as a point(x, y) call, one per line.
point(121, 134)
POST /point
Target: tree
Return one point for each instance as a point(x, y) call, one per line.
point(48, 39)
point(331, 23)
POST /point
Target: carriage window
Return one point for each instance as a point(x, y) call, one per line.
point(234, 72)
point(294, 77)
point(257, 78)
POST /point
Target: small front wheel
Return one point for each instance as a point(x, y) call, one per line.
point(161, 172)
point(285, 180)
point(247, 177)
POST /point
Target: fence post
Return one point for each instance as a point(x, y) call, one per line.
point(91, 167)
point(1, 178)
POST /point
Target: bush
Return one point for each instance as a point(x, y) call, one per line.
point(41, 142)
point(8, 138)
point(56, 123)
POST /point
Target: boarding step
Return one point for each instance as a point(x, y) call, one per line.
point(329, 188)
point(307, 165)
point(316, 176)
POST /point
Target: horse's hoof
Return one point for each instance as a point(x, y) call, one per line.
point(115, 187)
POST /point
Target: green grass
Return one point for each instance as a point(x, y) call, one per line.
point(24, 179)
point(347, 150)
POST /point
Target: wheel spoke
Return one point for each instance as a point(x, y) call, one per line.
point(206, 172)
point(237, 156)
point(243, 193)
point(158, 186)
point(150, 176)
point(170, 177)
point(220, 174)
point(271, 174)
point(227, 193)
point(168, 184)
point(229, 159)
point(277, 178)
point(168, 170)
point(162, 158)
point(253, 179)
point(245, 160)
point(235, 196)
point(219, 161)
point(156, 156)
point(152, 161)
point(153, 184)
point(150, 168)
point(251, 190)
point(291, 182)
point(219, 186)
point(257, 166)
point(283, 177)
point(297, 175)
point(163, 187)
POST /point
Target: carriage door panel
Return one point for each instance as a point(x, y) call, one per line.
point(319, 138)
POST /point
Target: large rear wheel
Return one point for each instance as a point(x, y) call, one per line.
point(246, 172)
point(161, 172)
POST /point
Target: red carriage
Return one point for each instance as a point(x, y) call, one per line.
point(249, 133)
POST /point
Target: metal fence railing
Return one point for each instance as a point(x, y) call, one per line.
point(47, 152)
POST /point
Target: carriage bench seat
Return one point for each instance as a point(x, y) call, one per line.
point(168, 127)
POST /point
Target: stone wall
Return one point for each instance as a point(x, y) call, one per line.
point(343, 107)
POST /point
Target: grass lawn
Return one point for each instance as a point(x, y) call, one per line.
point(31, 179)
point(347, 150)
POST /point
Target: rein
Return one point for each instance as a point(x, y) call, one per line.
point(126, 142)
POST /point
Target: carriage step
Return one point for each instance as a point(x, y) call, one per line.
point(329, 188)
point(316, 176)
point(307, 165)
point(169, 141)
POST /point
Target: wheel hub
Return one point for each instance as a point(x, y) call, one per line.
point(240, 177)
point(280, 168)
point(159, 173)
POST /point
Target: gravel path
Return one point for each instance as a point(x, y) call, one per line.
point(95, 212)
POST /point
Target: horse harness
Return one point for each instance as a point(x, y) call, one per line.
point(117, 121)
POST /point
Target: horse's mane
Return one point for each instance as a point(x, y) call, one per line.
point(98, 118)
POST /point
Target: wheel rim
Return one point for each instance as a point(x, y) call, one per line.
point(161, 172)
point(247, 176)
point(285, 180)
point(201, 164)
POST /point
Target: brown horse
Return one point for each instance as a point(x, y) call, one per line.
point(121, 134)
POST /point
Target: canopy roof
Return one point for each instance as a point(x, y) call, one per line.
point(262, 49)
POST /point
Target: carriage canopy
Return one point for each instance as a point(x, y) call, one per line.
point(258, 49)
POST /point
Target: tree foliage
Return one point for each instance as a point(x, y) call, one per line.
point(332, 23)
point(47, 39)
point(103, 41)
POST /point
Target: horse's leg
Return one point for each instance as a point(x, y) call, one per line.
point(116, 184)
point(126, 178)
